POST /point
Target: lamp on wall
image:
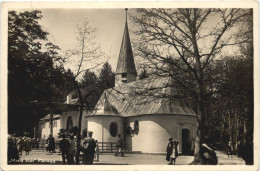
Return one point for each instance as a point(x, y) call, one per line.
point(130, 131)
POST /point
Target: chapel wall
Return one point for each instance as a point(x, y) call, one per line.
point(155, 130)
point(100, 125)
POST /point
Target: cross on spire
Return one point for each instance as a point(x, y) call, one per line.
point(126, 14)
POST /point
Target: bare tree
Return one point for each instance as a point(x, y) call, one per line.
point(86, 56)
point(182, 43)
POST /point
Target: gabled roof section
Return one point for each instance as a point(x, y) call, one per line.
point(104, 107)
point(152, 95)
point(125, 63)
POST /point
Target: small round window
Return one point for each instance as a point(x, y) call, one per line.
point(113, 129)
point(136, 127)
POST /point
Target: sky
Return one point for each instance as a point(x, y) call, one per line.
point(62, 24)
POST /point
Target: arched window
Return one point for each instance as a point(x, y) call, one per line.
point(113, 129)
point(136, 127)
point(69, 123)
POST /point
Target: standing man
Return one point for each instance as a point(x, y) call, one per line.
point(119, 146)
point(64, 148)
point(88, 146)
point(71, 151)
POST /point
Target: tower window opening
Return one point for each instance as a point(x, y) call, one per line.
point(124, 75)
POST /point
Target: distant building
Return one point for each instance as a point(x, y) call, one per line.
point(45, 126)
point(145, 112)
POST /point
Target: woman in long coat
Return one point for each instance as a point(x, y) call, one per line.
point(27, 145)
point(169, 149)
point(51, 143)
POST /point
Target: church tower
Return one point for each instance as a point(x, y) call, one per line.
point(125, 71)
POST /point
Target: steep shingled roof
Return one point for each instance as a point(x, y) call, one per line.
point(125, 63)
point(148, 96)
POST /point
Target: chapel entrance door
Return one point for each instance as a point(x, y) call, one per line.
point(186, 141)
point(69, 125)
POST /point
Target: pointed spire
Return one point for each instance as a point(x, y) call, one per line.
point(126, 62)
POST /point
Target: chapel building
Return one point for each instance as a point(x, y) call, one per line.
point(146, 113)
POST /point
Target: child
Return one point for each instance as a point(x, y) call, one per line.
point(97, 151)
point(229, 150)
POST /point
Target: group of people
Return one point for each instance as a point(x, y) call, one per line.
point(207, 153)
point(172, 151)
point(27, 144)
point(68, 148)
point(16, 146)
point(88, 148)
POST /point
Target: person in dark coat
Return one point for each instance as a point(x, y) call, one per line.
point(119, 146)
point(51, 143)
point(20, 144)
point(169, 149)
point(71, 150)
point(88, 146)
point(12, 153)
point(64, 148)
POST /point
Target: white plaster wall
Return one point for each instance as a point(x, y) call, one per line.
point(155, 130)
point(46, 130)
point(64, 118)
point(75, 119)
point(100, 126)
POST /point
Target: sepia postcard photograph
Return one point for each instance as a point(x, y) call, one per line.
point(130, 85)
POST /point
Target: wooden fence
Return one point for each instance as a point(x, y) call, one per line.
point(103, 146)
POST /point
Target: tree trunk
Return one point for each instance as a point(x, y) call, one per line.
point(201, 119)
point(76, 86)
point(79, 133)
